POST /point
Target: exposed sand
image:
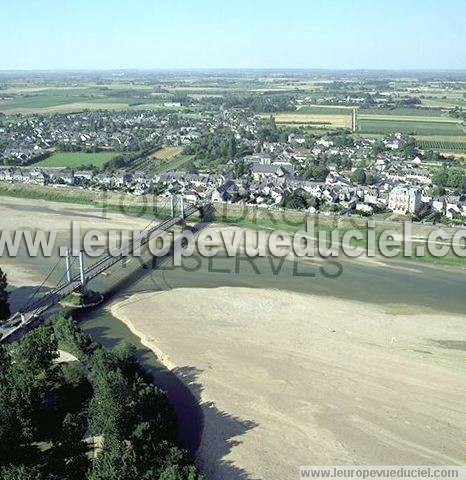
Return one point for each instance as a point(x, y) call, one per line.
point(287, 379)
point(17, 214)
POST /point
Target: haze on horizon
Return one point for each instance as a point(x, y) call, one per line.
point(206, 34)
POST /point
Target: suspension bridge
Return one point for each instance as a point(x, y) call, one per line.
point(30, 314)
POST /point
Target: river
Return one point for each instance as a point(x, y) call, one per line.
point(398, 286)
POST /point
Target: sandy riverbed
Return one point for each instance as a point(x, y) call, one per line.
point(287, 379)
point(27, 214)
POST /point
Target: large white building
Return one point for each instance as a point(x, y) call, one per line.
point(404, 200)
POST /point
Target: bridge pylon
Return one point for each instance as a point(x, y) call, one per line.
point(68, 264)
point(82, 269)
point(82, 275)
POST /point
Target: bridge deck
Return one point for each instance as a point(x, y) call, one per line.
point(22, 319)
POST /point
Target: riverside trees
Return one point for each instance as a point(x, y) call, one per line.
point(49, 410)
point(4, 294)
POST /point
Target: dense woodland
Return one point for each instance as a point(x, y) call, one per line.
point(53, 414)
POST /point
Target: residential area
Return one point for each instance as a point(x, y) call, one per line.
point(245, 159)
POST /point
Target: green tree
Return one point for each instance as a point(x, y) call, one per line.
point(409, 147)
point(5, 362)
point(370, 178)
point(68, 456)
point(232, 148)
point(20, 472)
point(114, 462)
point(316, 172)
point(377, 148)
point(108, 415)
point(20, 409)
point(71, 338)
point(359, 176)
point(4, 295)
point(36, 351)
point(450, 177)
point(176, 472)
point(239, 168)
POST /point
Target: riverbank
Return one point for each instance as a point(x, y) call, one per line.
point(286, 379)
point(247, 217)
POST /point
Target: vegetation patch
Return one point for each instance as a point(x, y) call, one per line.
point(166, 153)
point(174, 163)
point(77, 159)
point(341, 121)
point(414, 127)
point(53, 411)
point(442, 145)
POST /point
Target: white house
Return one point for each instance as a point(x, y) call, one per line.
point(404, 199)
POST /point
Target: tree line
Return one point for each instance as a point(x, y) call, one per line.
point(49, 411)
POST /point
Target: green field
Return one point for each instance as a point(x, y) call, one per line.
point(76, 159)
point(442, 145)
point(324, 110)
point(421, 112)
point(420, 127)
point(441, 101)
point(173, 164)
point(74, 99)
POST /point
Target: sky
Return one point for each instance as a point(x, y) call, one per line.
point(185, 34)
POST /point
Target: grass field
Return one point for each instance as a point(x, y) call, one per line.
point(407, 118)
point(75, 99)
point(413, 125)
point(444, 101)
point(421, 112)
point(443, 145)
point(324, 110)
point(166, 153)
point(76, 159)
point(318, 120)
point(174, 163)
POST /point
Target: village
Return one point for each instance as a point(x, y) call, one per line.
point(258, 163)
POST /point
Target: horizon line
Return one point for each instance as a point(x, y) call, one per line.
point(201, 69)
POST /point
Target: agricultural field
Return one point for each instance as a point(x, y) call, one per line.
point(409, 125)
point(407, 118)
point(312, 119)
point(442, 145)
point(438, 102)
point(166, 153)
point(174, 163)
point(436, 97)
point(324, 110)
point(76, 159)
point(74, 99)
point(403, 111)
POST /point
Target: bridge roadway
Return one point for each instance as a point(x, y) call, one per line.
point(22, 319)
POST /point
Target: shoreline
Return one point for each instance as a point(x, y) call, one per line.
point(180, 397)
point(145, 340)
point(250, 218)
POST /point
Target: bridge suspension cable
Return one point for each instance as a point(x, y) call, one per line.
point(58, 285)
point(31, 298)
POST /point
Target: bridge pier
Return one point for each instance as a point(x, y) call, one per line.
point(182, 207)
